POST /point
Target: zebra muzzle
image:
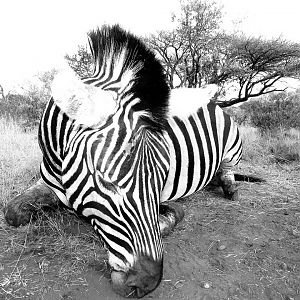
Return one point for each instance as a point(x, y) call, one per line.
point(142, 279)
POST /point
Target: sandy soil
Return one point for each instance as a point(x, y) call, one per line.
point(248, 249)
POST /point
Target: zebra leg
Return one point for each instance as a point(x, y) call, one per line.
point(226, 180)
point(23, 207)
point(169, 216)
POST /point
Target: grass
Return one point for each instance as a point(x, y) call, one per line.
point(281, 147)
point(19, 159)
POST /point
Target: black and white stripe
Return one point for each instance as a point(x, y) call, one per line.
point(199, 145)
point(117, 173)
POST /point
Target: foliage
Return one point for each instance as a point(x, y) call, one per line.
point(187, 51)
point(28, 107)
point(197, 52)
point(81, 62)
point(255, 65)
point(278, 111)
point(22, 107)
point(276, 135)
point(238, 114)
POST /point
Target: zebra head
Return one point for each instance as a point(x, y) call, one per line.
point(120, 112)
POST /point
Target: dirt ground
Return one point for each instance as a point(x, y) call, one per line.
point(248, 249)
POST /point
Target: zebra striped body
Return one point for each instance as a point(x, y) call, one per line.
point(195, 148)
point(116, 169)
point(187, 155)
point(199, 145)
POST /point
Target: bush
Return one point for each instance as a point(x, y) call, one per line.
point(277, 111)
point(238, 114)
point(26, 110)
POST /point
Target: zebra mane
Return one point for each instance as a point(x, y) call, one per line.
point(123, 63)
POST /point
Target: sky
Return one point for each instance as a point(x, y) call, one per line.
point(36, 34)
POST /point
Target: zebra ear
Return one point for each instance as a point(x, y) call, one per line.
point(86, 104)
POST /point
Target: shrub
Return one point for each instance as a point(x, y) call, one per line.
point(277, 111)
point(238, 114)
point(25, 110)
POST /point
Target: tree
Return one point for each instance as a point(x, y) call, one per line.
point(255, 65)
point(197, 52)
point(81, 62)
point(186, 50)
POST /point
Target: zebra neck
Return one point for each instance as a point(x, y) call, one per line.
point(146, 154)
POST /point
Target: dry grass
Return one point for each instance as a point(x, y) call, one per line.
point(273, 147)
point(19, 159)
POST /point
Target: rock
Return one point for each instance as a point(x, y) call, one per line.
point(205, 285)
point(222, 247)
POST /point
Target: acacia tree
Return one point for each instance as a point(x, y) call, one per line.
point(185, 51)
point(197, 52)
point(255, 66)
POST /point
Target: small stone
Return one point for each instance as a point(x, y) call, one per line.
point(222, 247)
point(205, 285)
point(296, 232)
point(283, 266)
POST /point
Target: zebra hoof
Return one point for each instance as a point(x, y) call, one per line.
point(18, 212)
point(22, 208)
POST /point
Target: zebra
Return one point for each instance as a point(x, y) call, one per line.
point(117, 146)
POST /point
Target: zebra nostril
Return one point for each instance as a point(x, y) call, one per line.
point(140, 280)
